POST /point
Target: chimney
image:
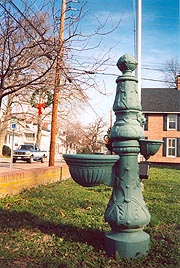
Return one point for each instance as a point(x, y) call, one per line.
point(178, 82)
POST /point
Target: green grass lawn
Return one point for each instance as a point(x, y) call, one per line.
point(62, 225)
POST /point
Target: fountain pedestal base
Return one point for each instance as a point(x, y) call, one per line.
point(128, 243)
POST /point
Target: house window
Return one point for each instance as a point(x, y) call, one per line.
point(171, 147)
point(172, 121)
point(30, 137)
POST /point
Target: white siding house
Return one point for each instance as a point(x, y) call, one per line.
point(26, 133)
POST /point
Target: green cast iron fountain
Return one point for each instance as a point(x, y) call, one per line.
point(126, 211)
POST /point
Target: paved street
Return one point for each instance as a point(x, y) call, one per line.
point(21, 165)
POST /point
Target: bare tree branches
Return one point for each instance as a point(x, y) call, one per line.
point(173, 70)
point(20, 58)
point(29, 44)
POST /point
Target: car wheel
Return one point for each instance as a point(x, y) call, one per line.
point(30, 160)
point(14, 160)
point(42, 159)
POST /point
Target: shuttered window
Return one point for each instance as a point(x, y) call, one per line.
point(171, 147)
point(172, 122)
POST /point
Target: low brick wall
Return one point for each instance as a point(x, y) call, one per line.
point(15, 182)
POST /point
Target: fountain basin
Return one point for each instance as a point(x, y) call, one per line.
point(91, 169)
point(149, 147)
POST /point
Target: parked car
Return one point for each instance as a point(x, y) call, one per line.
point(29, 153)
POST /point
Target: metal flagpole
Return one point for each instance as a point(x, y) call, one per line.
point(139, 43)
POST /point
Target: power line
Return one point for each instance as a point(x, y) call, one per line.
point(30, 23)
point(18, 22)
point(92, 107)
point(157, 80)
point(90, 72)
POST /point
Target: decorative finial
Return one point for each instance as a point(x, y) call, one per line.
point(127, 64)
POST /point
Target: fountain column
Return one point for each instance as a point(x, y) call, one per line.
point(126, 211)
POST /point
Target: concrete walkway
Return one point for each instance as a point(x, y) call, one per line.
point(5, 165)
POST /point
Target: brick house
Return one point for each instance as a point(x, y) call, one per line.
point(161, 107)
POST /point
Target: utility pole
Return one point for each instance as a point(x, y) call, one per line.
point(58, 74)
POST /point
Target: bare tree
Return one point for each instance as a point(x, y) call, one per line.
point(173, 69)
point(27, 58)
point(87, 139)
point(28, 52)
point(94, 135)
point(74, 135)
point(63, 45)
point(21, 53)
point(20, 58)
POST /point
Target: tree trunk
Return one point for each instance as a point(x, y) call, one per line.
point(2, 138)
point(4, 121)
point(39, 131)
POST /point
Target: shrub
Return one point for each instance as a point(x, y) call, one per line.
point(6, 151)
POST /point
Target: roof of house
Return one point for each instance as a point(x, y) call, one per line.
point(162, 100)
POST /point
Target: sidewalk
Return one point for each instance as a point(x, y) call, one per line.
point(21, 165)
point(5, 160)
point(4, 164)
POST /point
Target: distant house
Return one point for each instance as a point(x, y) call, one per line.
point(161, 107)
point(26, 133)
